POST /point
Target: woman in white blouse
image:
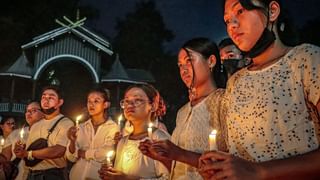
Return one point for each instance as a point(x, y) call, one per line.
point(90, 142)
point(141, 106)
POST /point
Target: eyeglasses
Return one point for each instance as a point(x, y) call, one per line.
point(135, 102)
point(32, 111)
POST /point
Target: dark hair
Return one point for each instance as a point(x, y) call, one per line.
point(55, 88)
point(225, 42)
point(207, 48)
point(103, 91)
point(288, 35)
point(154, 97)
point(3, 120)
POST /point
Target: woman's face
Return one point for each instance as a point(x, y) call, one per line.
point(201, 67)
point(243, 26)
point(136, 105)
point(8, 126)
point(96, 104)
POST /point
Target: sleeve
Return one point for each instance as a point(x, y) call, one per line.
point(61, 137)
point(99, 154)
point(311, 73)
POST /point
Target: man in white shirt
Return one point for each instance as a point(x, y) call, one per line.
point(53, 160)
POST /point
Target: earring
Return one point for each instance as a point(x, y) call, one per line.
point(221, 68)
point(282, 26)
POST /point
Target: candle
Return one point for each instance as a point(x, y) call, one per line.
point(109, 156)
point(2, 142)
point(21, 134)
point(120, 121)
point(150, 131)
point(78, 120)
point(212, 140)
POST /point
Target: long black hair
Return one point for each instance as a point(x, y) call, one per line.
point(206, 48)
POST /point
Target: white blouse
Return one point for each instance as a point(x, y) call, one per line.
point(268, 114)
point(96, 146)
point(131, 161)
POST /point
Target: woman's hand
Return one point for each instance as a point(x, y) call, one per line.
point(72, 134)
point(221, 165)
point(19, 150)
point(117, 137)
point(158, 150)
point(109, 173)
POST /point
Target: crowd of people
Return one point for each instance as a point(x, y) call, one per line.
point(260, 95)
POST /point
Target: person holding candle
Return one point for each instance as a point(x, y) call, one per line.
point(91, 140)
point(273, 104)
point(200, 70)
point(140, 106)
point(45, 147)
point(7, 125)
point(33, 114)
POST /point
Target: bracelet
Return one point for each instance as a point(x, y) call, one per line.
point(30, 157)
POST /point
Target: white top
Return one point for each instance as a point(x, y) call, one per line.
point(96, 146)
point(131, 161)
point(57, 137)
point(268, 117)
point(11, 141)
point(193, 126)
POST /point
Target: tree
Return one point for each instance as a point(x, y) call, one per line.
point(139, 42)
point(141, 35)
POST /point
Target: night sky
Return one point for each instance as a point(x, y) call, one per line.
point(188, 18)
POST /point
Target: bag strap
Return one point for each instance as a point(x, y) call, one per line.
point(52, 128)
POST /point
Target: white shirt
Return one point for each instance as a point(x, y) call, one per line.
point(57, 137)
point(131, 161)
point(96, 146)
point(268, 117)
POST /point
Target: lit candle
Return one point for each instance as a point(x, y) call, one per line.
point(21, 134)
point(150, 131)
point(109, 156)
point(78, 120)
point(120, 121)
point(2, 142)
point(212, 140)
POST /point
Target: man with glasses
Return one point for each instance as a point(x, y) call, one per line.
point(52, 128)
point(33, 114)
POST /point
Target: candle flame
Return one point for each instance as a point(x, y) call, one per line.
point(120, 119)
point(150, 125)
point(21, 133)
point(214, 132)
point(110, 154)
point(79, 117)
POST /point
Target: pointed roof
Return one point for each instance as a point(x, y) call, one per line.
point(75, 28)
point(119, 74)
point(141, 75)
point(20, 68)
